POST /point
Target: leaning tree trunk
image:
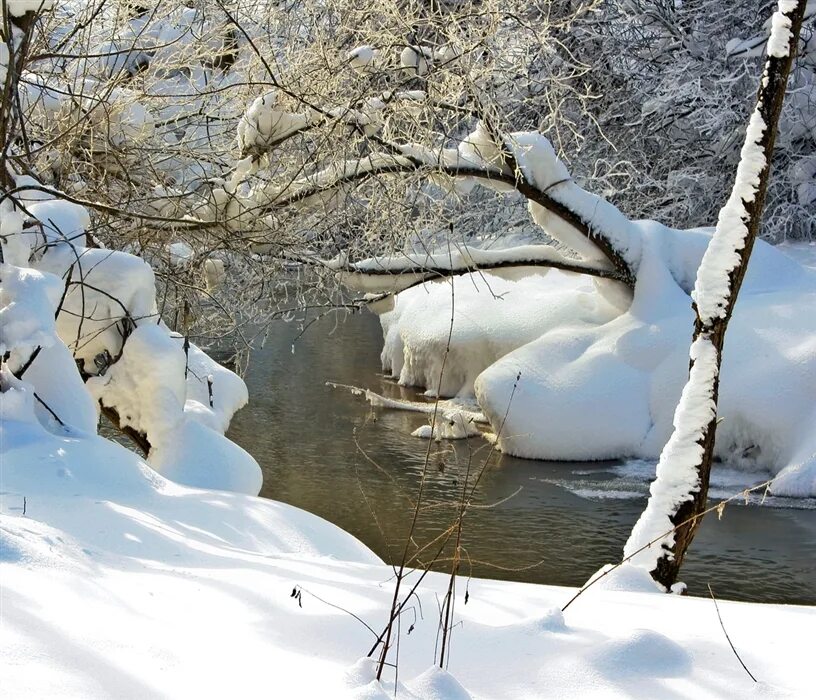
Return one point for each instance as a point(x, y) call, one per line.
point(679, 494)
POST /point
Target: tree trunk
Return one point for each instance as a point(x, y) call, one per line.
point(711, 327)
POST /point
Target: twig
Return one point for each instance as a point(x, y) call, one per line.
point(725, 632)
point(49, 409)
point(337, 607)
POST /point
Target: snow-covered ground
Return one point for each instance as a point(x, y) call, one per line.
point(117, 583)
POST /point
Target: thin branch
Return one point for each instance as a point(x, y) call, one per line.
point(725, 632)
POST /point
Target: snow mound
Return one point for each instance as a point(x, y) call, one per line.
point(198, 456)
point(611, 391)
point(120, 583)
point(641, 653)
point(83, 484)
point(624, 577)
point(551, 621)
point(492, 315)
point(589, 382)
point(438, 684)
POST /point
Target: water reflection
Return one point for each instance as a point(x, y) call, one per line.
point(328, 452)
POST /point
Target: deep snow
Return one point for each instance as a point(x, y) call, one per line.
point(118, 583)
point(598, 383)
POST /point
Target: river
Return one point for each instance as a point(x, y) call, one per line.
point(327, 451)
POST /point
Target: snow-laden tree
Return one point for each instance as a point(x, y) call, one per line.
point(132, 109)
point(679, 494)
point(80, 328)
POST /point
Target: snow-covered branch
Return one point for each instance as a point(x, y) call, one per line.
point(397, 273)
point(679, 492)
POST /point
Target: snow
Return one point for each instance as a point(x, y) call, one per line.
point(363, 59)
point(28, 299)
point(712, 289)
point(780, 39)
point(600, 384)
point(416, 59)
point(263, 123)
point(595, 370)
point(678, 470)
point(126, 577)
point(181, 400)
point(492, 316)
point(181, 254)
point(117, 582)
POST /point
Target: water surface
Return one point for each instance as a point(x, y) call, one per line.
point(327, 451)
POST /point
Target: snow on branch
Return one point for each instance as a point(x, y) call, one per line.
point(395, 273)
point(678, 494)
point(581, 221)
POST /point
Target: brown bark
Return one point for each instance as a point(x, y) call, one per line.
point(138, 438)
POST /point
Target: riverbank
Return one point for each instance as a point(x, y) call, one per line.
point(117, 583)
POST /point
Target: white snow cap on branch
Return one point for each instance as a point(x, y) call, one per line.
point(779, 41)
point(712, 290)
point(713, 287)
point(264, 123)
point(363, 58)
point(676, 471)
point(416, 59)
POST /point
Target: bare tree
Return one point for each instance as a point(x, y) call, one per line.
point(679, 494)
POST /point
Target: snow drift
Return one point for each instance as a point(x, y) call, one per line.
point(84, 324)
point(602, 369)
point(598, 384)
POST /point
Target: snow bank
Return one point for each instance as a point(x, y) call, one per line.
point(119, 583)
point(599, 384)
point(492, 315)
point(104, 302)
